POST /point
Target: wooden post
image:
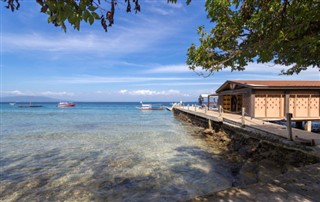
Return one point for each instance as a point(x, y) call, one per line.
point(209, 124)
point(220, 113)
point(308, 126)
point(289, 128)
point(252, 104)
point(286, 103)
point(243, 117)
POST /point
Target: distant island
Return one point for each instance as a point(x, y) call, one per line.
point(28, 99)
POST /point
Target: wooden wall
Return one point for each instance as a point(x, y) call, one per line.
point(274, 104)
point(269, 104)
point(304, 105)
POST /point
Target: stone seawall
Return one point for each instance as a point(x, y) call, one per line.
point(256, 156)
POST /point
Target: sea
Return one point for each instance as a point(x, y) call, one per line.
point(105, 152)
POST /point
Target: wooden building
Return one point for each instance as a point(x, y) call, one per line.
point(210, 100)
point(271, 100)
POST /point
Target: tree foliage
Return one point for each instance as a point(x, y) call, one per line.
point(285, 32)
point(75, 11)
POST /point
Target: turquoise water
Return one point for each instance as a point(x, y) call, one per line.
point(104, 152)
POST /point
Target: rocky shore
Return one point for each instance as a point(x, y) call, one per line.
point(262, 171)
point(297, 185)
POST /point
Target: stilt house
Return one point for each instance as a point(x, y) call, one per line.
point(271, 100)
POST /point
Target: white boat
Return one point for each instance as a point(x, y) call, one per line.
point(65, 104)
point(12, 103)
point(150, 107)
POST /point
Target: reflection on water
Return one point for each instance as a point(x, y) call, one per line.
point(110, 154)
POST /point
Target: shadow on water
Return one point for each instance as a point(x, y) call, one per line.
point(25, 173)
point(198, 173)
point(40, 177)
point(98, 176)
point(206, 172)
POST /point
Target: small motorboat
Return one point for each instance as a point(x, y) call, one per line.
point(65, 104)
point(30, 105)
point(150, 107)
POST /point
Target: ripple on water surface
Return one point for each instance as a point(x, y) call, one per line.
point(129, 156)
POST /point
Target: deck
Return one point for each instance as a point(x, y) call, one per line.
point(256, 125)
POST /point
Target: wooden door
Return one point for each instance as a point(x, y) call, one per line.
point(226, 104)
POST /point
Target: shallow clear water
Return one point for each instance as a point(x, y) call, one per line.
point(104, 152)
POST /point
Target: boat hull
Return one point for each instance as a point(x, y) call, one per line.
point(149, 108)
point(29, 106)
point(65, 105)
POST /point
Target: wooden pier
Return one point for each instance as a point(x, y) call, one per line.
point(281, 134)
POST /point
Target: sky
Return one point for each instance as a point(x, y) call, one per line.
point(142, 57)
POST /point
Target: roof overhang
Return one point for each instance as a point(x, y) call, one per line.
point(241, 84)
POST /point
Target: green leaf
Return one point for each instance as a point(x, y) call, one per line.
point(71, 19)
point(285, 32)
point(86, 15)
point(91, 19)
point(92, 8)
point(95, 15)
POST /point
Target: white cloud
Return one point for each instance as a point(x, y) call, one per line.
point(265, 68)
point(123, 39)
point(146, 92)
point(99, 92)
point(50, 93)
point(182, 84)
point(87, 79)
point(270, 68)
point(46, 93)
point(123, 91)
point(13, 92)
point(163, 7)
point(265, 71)
point(179, 68)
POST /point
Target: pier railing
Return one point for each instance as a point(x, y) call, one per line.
point(244, 120)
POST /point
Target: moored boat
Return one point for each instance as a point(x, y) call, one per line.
point(150, 107)
point(30, 105)
point(65, 104)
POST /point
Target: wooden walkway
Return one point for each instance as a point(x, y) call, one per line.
point(255, 124)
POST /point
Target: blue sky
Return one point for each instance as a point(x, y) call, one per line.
point(141, 58)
